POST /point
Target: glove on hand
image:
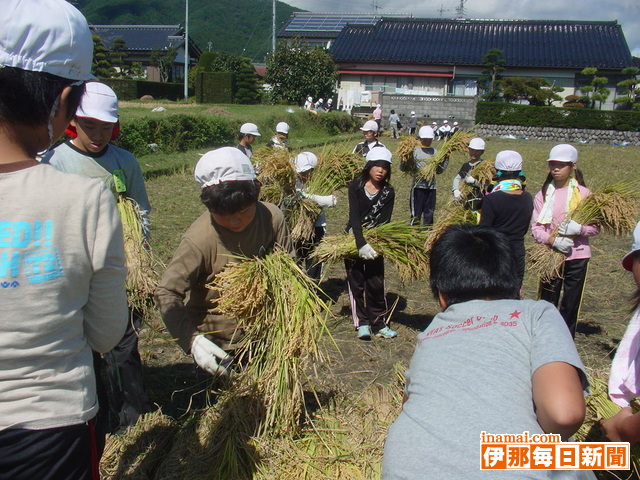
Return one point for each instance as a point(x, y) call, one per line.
point(469, 179)
point(367, 252)
point(570, 228)
point(457, 195)
point(206, 354)
point(325, 200)
point(563, 244)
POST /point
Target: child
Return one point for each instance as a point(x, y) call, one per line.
point(486, 363)
point(445, 130)
point(235, 223)
point(473, 201)
point(371, 200)
point(394, 122)
point(422, 198)
point(413, 123)
point(89, 153)
point(61, 252)
point(561, 193)
point(305, 163)
point(248, 134)
point(370, 131)
point(377, 116)
point(508, 208)
point(281, 138)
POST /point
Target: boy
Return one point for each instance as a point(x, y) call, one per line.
point(474, 200)
point(248, 134)
point(486, 363)
point(281, 138)
point(235, 223)
point(61, 252)
point(413, 123)
point(89, 153)
point(370, 131)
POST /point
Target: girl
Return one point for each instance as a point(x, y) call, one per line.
point(473, 200)
point(561, 193)
point(508, 208)
point(371, 200)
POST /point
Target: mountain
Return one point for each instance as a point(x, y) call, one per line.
point(242, 27)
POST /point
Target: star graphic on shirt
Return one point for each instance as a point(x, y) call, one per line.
point(515, 314)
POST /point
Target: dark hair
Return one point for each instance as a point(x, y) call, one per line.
point(471, 262)
point(577, 174)
point(508, 175)
point(228, 198)
point(364, 175)
point(27, 97)
point(393, 111)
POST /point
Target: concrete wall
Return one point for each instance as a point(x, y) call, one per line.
point(569, 135)
point(430, 108)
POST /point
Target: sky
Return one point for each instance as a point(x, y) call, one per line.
point(626, 12)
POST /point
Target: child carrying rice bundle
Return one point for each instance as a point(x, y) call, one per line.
point(473, 178)
point(276, 173)
point(457, 143)
point(404, 152)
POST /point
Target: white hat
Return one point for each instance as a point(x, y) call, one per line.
point(46, 36)
point(455, 123)
point(99, 102)
point(379, 153)
point(306, 161)
point(310, 99)
point(320, 100)
point(445, 121)
point(426, 132)
point(508, 161)
point(627, 260)
point(434, 123)
point(282, 127)
point(250, 129)
point(330, 100)
point(563, 153)
point(370, 125)
point(413, 113)
point(225, 164)
point(378, 105)
point(477, 144)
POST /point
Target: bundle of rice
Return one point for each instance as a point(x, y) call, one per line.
point(142, 278)
point(483, 173)
point(400, 243)
point(458, 142)
point(451, 214)
point(282, 313)
point(337, 166)
point(301, 214)
point(277, 174)
point(404, 152)
point(545, 262)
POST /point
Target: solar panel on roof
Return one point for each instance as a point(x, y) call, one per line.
point(328, 23)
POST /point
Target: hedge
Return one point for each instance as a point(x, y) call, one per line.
point(215, 87)
point(134, 89)
point(499, 113)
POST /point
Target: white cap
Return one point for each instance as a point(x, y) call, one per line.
point(310, 99)
point(99, 102)
point(330, 100)
point(369, 125)
point(306, 161)
point(434, 123)
point(508, 161)
point(445, 121)
point(425, 132)
point(378, 105)
point(46, 36)
point(250, 129)
point(379, 153)
point(320, 100)
point(225, 164)
point(627, 260)
point(413, 113)
point(282, 127)
point(563, 153)
point(477, 144)
point(455, 123)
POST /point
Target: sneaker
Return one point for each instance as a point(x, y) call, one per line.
point(386, 332)
point(364, 332)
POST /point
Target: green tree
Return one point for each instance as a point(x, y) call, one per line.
point(221, 62)
point(595, 91)
point(163, 60)
point(629, 89)
point(101, 66)
point(491, 76)
point(295, 72)
point(247, 86)
point(117, 57)
point(535, 90)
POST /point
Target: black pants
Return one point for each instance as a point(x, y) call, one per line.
point(365, 279)
point(575, 274)
point(423, 204)
point(303, 252)
point(62, 453)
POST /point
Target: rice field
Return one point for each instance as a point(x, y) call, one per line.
point(353, 391)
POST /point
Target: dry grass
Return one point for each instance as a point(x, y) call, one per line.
point(483, 173)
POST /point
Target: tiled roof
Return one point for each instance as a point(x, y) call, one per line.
point(524, 43)
point(327, 25)
point(141, 37)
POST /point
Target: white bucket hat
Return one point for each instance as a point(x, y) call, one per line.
point(477, 144)
point(100, 102)
point(379, 153)
point(426, 132)
point(370, 126)
point(306, 161)
point(282, 127)
point(250, 129)
point(48, 36)
point(563, 153)
point(225, 164)
point(508, 161)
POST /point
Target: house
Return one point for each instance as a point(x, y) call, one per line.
point(443, 57)
point(142, 40)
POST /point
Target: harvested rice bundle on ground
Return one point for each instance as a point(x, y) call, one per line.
point(138, 453)
point(142, 278)
point(483, 173)
point(282, 313)
point(400, 243)
point(458, 142)
point(451, 214)
point(404, 152)
point(337, 166)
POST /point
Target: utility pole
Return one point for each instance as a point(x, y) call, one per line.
point(375, 7)
point(460, 9)
point(273, 28)
point(186, 52)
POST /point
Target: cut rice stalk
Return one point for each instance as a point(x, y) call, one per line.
point(301, 214)
point(483, 173)
point(277, 174)
point(545, 262)
point(613, 208)
point(404, 152)
point(337, 166)
point(451, 214)
point(458, 142)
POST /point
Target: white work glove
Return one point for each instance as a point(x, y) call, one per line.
point(367, 252)
point(570, 228)
point(563, 244)
point(457, 195)
point(469, 179)
point(206, 354)
point(325, 200)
